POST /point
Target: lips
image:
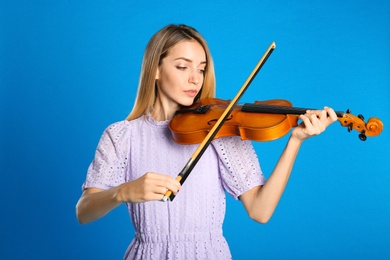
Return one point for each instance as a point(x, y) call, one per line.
point(191, 93)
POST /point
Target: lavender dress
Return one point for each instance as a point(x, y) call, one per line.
point(189, 227)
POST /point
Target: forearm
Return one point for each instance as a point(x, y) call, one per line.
point(95, 203)
point(266, 198)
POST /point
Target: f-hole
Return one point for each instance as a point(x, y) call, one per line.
point(210, 122)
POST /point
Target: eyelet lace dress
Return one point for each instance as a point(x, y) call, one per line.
point(189, 227)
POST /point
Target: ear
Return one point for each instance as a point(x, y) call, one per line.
point(157, 73)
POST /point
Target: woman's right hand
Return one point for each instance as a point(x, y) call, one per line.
point(150, 186)
point(94, 203)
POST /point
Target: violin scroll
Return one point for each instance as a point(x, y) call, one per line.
point(373, 127)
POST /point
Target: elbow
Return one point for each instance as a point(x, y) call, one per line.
point(261, 217)
point(261, 220)
point(79, 215)
point(81, 220)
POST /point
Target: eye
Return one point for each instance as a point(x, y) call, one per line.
point(181, 67)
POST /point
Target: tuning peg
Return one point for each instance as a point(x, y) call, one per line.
point(350, 127)
point(361, 117)
point(348, 111)
point(362, 137)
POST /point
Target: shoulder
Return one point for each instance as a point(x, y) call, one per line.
point(124, 129)
point(123, 126)
point(117, 128)
point(116, 132)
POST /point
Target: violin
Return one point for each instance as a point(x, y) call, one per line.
point(261, 121)
point(212, 118)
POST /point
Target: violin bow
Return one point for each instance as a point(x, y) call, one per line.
point(185, 172)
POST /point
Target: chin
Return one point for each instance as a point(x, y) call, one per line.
point(187, 103)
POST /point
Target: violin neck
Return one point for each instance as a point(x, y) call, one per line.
point(284, 110)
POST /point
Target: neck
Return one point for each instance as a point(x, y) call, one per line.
point(163, 112)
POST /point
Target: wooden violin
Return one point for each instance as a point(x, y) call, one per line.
point(223, 118)
point(260, 121)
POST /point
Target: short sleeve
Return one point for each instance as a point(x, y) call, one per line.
point(239, 165)
point(108, 168)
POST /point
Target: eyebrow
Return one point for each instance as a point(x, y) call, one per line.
point(189, 60)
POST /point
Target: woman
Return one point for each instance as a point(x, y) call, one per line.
point(136, 161)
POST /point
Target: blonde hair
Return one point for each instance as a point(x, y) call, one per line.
point(156, 50)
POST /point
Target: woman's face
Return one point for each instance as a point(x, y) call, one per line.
point(181, 73)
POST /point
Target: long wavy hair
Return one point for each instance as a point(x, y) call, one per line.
point(156, 50)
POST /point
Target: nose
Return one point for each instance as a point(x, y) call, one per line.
point(195, 78)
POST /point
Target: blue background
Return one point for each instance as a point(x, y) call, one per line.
point(70, 68)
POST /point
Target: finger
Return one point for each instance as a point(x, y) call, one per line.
point(307, 125)
point(157, 184)
point(313, 125)
point(169, 183)
point(326, 117)
point(322, 114)
point(160, 190)
point(331, 114)
point(162, 178)
point(155, 193)
point(320, 121)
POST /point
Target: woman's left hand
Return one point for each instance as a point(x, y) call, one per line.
point(314, 122)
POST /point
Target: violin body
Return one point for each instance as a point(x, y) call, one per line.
point(192, 127)
point(261, 121)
